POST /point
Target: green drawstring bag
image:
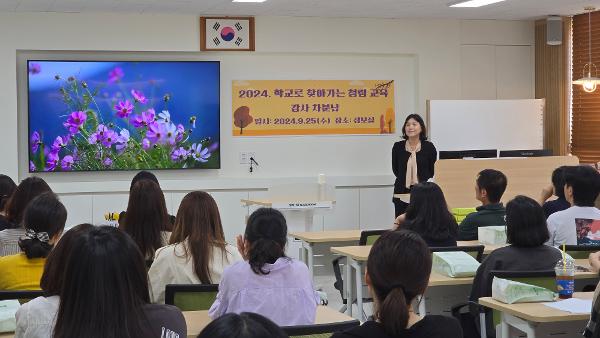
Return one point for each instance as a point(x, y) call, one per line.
point(8, 309)
point(455, 264)
point(509, 292)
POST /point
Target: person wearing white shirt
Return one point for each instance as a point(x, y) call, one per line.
point(582, 185)
point(198, 253)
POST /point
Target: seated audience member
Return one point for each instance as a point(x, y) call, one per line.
point(526, 233)
point(44, 222)
point(428, 215)
point(592, 329)
point(489, 187)
point(398, 270)
point(198, 252)
point(556, 189)
point(268, 283)
point(104, 292)
point(26, 191)
point(146, 175)
point(35, 319)
point(244, 325)
point(147, 218)
point(582, 185)
point(7, 187)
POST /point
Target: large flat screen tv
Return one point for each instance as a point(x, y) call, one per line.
point(123, 115)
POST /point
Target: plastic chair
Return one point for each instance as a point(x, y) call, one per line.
point(367, 237)
point(191, 297)
point(23, 296)
point(581, 251)
point(474, 250)
point(318, 330)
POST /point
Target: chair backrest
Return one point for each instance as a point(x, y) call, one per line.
point(474, 250)
point(461, 213)
point(23, 296)
point(319, 330)
point(368, 237)
point(581, 251)
point(191, 297)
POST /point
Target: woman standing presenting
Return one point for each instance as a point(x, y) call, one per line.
point(412, 159)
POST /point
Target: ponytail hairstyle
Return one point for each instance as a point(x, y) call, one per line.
point(7, 187)
point(266, 233)
point(398, 268)
point(44, 219)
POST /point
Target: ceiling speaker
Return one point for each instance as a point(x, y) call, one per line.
point(554, 31)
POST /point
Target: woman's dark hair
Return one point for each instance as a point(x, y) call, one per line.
point(494, 182)
point(419, 119)
point(525, 223)
point(104, 289)
point(26, 191)
point(428, 214)
point(44, 214)
point(266, 232)
point(53, 276)
point(398, 268)
point(244, 325)
point(198, 221)
point(7, 187)
point(146, 217)
point(143, 175)
point(558, 181)
point(585, 182)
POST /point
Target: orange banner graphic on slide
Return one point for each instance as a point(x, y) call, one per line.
point(312, 107)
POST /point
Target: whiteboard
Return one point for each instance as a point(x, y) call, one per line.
point(486, 124)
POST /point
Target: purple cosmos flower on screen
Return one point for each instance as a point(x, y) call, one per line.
point(99, 135)
point(75, 120)
point(122, 140)
point(139, 96)
point(171, 133)
point(179, 133)
point(59, 143)
point(34, 68)
point(213, 147)
point(52, 160)
point(67, 162)
point(115, 75)
point(164, 116)
point(199, 154)
point(179, 154)
point(35, 141)
point(110, 138)
point(144, 119)
point(123, 108)
point(156, 132)
point(32, 167)
point(146, 144)
point(107, 162)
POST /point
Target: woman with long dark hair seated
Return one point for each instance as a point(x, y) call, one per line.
point(398, 270)
point(428, 215)
point(104, 293)
point(44, 222)
point(147, 219)
point(268, 283)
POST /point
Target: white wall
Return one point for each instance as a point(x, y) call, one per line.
point(440, 54)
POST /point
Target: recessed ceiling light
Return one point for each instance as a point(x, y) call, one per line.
point(474, 3)
point(249, 0)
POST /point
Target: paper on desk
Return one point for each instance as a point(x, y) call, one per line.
point(573, 305)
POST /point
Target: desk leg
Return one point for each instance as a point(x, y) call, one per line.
point(308, 219)
point(359, 296)
point(348, 286)
point(422, 306)
point(307, 256)
point(518, 323)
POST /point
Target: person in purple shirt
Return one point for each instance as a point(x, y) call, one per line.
point(267, 282)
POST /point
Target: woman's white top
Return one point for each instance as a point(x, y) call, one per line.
point(171, 266)
point(36, 318)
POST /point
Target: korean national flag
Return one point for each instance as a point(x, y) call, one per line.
point(227, 34)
